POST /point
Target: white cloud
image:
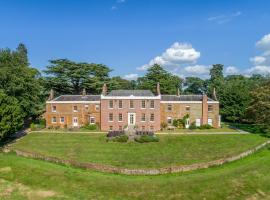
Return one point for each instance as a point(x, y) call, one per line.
point(259, 70)
point(230, 70)
point(222, 19)
point(197, 69)
point(131, 76)
point(177, 54)
point(262, 62)
point(264, 43)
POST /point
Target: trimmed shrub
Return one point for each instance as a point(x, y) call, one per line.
point(91, 127)
point(205, 126)
point(121, 138)
point(147, 138)
point(192, 126)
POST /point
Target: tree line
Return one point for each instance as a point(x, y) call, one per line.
point(24, 89)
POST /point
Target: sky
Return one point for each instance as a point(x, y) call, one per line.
point(185, 36)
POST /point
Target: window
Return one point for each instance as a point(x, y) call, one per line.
point(97, 107)
point(143, 117)
point(151, 128)
point(111, 104)
point(110, 128)
point(152, 104)
point(143, 128)
point(75, 108)
point(210, 121)
point(62, 120)
point(143, 104)
point(188, 108)
point(120, 104)
point(54, 120)
point(210, 108)
point(54, 109)
point(169, 120)
point(120, 117)
point(110, 117)
point(169, 107)
point(198, 122)
point(131, 104)
point(152, 117)
point(120, 128)
point(86, 107)
point(92, 120)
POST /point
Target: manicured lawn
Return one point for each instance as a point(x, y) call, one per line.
point(248, 178)
point(169, 151)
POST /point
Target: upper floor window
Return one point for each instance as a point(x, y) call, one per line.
point(86, 107)
point(120, 104)
point(62, 119)
point(111, 104)
point(152, 104)
point(53, 108)
point(152, 117)
point(169, 107)
point(143, 117)
point(53, 119)
point(143, 104)
point(187, 108)
point(111, 117)
point(210, 108)
point(75, 108)
point(131, 104)
point(120, 117)
point(97, 107)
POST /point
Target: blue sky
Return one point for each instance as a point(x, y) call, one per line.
point(185, 36)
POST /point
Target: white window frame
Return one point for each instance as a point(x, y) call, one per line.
point(53, 120)
point(109, 117)
point(152, 114)
point(171, 119)
point(110, 104)
point(74, 109)
point(119, 117)
point(142, 104)
point(169, 105)
point(152, 101)
point(97, 107)
point(198, 122)
point(61, 120)
point(143, 114)
point(91, 120)
point(121, 104)
point(132, 104)
point(53, 110)
point(188, 108)
point(210, 121)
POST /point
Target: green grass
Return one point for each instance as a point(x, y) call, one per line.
point(248, 178)
point(171, 150)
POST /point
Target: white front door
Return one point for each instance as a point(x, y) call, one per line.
point(75, 121)
point(131, 118)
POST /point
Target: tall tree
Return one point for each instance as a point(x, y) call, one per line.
point(11, 115)
point(69, 77)
point(169, 84)
point(194, 85)
point(216, 80)
point(117, 83)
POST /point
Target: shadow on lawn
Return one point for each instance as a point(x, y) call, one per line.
point(13, 138)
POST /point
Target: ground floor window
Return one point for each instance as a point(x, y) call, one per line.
point(198, 122)
point(53, 119)
point(210, 121)
point(169, 120)
point(92, 120)
point(62, 119)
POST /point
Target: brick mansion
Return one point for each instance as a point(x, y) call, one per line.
point(117, 109)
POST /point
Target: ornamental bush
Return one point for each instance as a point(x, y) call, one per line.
point(147, 138)
point(205, 126)
point(91, 127)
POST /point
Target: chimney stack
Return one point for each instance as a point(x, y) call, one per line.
point(84, 92)
point(51, 97)
point(104, 89)
point(158, 89)
point(204, 109)
point(178, 92)
point(214, 94)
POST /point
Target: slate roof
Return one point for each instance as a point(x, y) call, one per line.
point(183, 98)
point(140, 93)
point(77, 98)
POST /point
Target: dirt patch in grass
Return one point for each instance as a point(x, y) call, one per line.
point(5, 169)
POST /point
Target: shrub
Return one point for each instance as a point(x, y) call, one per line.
point(192, 126)
point(163, 125)
point(147, 138)
point(205, 126)
point(32, 127)
point(91, 127)
point(120, 138)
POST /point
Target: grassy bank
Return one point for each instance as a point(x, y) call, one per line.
point(171, 150)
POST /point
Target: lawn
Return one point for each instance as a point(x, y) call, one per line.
point(23, 178)
point(171, 150)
